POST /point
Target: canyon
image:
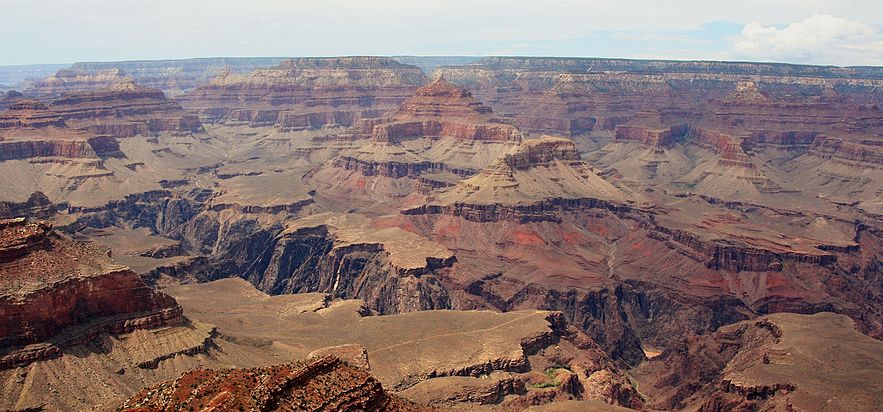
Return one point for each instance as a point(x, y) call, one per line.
point(493, 233)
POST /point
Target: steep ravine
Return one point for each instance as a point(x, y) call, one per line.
point(257, 248)
point(251, 247)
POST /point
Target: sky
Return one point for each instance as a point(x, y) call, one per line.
point(836, 32)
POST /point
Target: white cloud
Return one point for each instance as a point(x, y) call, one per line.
point(67, 30)
point(820, 38)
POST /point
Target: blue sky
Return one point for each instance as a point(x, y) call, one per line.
point(842, 32)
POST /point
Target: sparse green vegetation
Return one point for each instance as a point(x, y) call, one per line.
point(550, 382)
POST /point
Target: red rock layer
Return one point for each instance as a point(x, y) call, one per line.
point(30, 129)
point(863, 151)
point(657, 129)
point(29, 113)
point(75, 149)
point(737, 257)
point(125, 110)
point(56, 293)
point(324, 384)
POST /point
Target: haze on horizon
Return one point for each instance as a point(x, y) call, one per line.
point(844, 32)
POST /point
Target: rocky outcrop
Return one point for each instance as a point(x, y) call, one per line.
point(451, 391)
point(727, 146)
point(324, 384)
point(441, 130)
point(748, 92)
point(395, 169)
point(652, 129)
point(38, 206)
point(539, 177)
point(58, 293)
point(866, 152)
point(292, 121)
point(441, 109)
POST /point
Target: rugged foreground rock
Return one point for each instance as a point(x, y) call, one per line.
point(325, 384)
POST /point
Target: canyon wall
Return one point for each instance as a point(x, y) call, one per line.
point(73, 302)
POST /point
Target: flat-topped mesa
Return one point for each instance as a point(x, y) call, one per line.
point(75, 81)
point(55, 293)
point(543, 152)
point(652, 128)
point(539, 177)
point(322, 384)
point(125, 109)
point(176, 76)
point(29, 113)
point(307, 93)
point(441, 109)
